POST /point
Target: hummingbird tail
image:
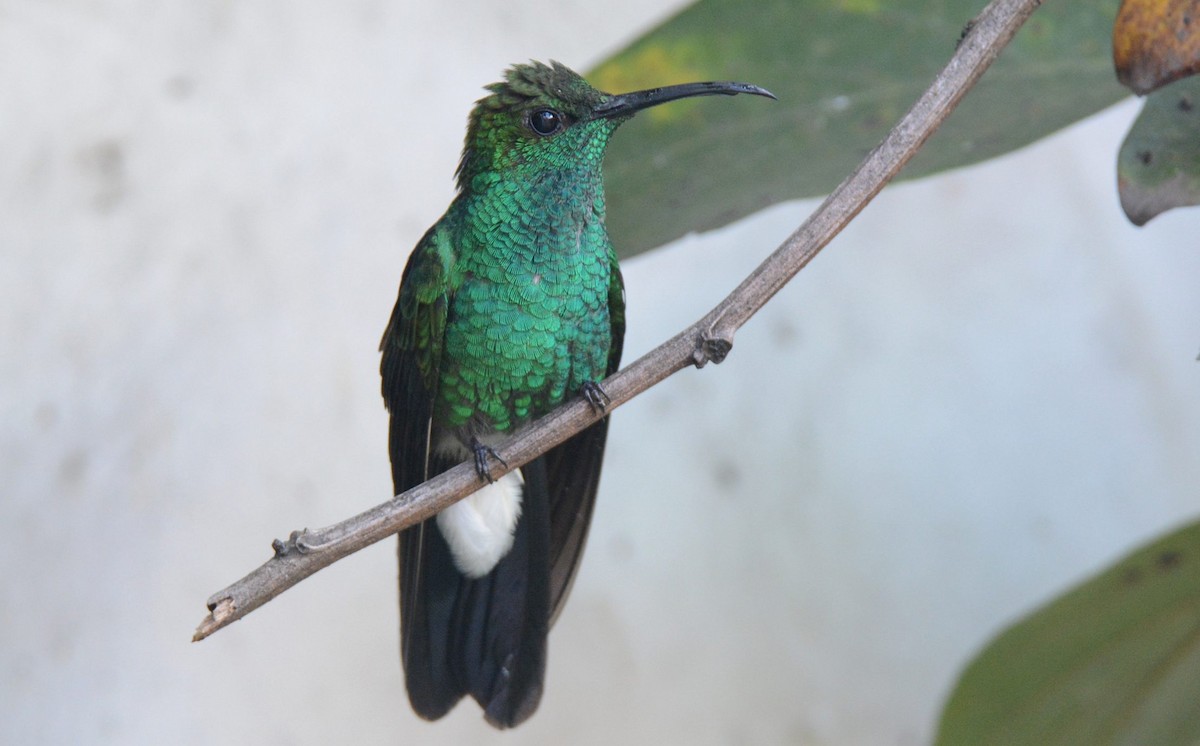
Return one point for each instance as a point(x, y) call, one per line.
point(485, 637)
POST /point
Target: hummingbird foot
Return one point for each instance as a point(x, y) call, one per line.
point(595, 396)
point(482, 452)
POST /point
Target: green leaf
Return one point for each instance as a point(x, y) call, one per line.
point(1116, 660)
point(844, 71)
point(1159, 164)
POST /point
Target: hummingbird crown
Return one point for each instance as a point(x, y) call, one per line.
point(539, 116)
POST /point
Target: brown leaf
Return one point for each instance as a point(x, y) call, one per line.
point(1156, 42)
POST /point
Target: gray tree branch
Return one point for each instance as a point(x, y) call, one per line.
point(710, 338)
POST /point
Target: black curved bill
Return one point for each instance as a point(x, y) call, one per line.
point(627, 103)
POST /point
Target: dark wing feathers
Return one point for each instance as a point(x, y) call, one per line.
point(427, 573)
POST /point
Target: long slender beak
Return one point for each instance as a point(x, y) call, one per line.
point(625, 104)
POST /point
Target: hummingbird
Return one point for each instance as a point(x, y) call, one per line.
point(509, 305)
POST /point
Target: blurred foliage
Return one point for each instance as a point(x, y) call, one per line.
point(1116, 660)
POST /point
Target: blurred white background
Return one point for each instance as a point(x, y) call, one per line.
point(983, 391)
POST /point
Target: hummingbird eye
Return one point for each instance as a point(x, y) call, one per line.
point(545, 122)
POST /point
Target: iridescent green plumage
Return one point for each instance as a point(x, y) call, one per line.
point(523, 253)
point(510, 304)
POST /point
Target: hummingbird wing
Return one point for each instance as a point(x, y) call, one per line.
point(573, 470)
point(412, 351)
point(412, 348)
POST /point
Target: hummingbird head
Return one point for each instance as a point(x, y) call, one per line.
point(548, 117)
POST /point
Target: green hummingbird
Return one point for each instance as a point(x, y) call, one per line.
point(511, 303)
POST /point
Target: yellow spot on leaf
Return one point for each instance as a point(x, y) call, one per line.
point(654, 66)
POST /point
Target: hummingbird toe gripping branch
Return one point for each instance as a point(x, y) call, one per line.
point(511, 303)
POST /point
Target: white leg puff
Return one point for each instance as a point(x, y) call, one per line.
point(480, 527)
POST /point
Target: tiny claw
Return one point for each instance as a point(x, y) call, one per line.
point(595, 396)
point(481, 460)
